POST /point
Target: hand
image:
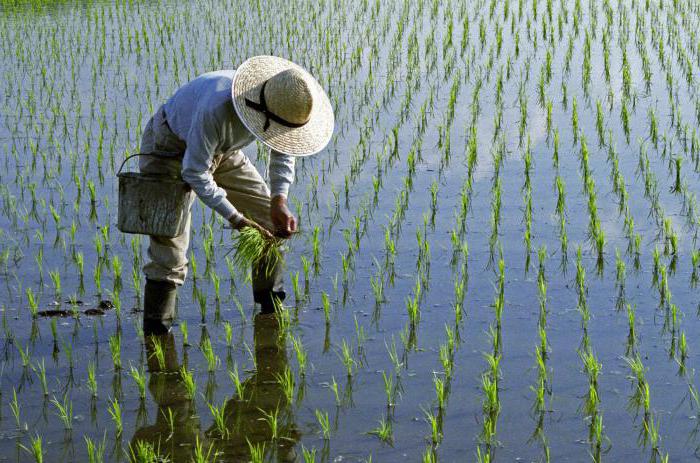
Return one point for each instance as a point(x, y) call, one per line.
point(284, 221)
point(244, 222)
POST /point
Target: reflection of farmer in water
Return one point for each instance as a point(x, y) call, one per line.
point(245, 416)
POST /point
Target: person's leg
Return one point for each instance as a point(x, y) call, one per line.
point(248, 192)
point(166, 268)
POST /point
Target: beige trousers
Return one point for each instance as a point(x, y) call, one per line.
point(232, 171)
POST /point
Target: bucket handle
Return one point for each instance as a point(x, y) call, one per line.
point(138, 154)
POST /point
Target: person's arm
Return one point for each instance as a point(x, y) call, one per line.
point(202, 141)
point(281, 177)
point(281, 173)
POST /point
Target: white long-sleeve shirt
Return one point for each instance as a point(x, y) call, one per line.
point(201, 114)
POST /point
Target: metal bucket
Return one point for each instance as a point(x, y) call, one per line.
point(151, 204)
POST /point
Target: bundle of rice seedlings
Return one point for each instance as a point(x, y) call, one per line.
point(254, 249)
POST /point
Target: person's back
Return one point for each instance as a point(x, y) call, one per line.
point(207, 99)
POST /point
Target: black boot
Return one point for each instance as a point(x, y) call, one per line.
point(158, 306)
point(268, 286)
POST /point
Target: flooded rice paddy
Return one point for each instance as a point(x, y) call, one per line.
point(498, 256)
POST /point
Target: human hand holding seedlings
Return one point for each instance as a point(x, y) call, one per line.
point(283, 219)
point(245, 222)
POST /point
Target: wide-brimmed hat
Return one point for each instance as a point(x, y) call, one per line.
point(282, 105)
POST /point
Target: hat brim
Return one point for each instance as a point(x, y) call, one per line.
point(309, 139)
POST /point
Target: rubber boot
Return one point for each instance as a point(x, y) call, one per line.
point(158, 306)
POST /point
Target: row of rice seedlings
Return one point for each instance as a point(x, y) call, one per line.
point(592, 368)
point(542, 387)
point(490, 379)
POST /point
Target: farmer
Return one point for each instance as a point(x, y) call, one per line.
point(199, 133)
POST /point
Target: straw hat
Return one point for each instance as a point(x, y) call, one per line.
point(282, 105)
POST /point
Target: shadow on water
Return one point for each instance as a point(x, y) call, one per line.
point(177, 428)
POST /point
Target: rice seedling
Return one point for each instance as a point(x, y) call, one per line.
point(15, 408)
point(33, 302)
point(383, 431)
point(211, 358)
point(200, 454)
point(272, 420)
point(139, 377)
point(91, 379)
point(252, 248)
point(115, 411)
point(64, 410)
point(308, 455)
point(96, 451)
point(115, 350)
point(301, 356)
point(185, 333)
point(188, 382)
point(257, 452)
point(219, 416)
point(326, 304)
point(228, 333)
point(158, 352)
point(286, 383)
point(35, 449)
point(346, 357)
point(324, 423)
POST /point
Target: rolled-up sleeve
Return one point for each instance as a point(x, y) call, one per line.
point(281, 173)
point(202, 142)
